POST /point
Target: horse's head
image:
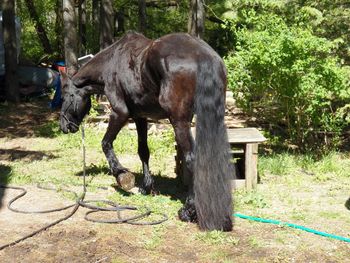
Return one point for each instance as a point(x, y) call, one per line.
point(76, 104)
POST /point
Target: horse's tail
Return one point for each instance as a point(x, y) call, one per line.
point(212, 169)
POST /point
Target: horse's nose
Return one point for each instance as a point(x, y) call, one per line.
point(63, 126)
point(72, 127)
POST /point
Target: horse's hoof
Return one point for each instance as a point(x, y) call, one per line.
point(187, 214)
point(126, 180)
point(147, 191)
point(144, 191)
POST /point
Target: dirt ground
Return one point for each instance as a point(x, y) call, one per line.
point(77, 240)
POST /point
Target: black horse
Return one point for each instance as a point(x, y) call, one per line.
point(172, 77)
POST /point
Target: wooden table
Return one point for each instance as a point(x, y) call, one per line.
point(244, 144)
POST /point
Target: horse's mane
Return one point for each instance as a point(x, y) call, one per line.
point(94, 64)
point(129, 34)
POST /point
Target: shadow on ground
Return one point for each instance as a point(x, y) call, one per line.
point(94, 170)
point(28, 119)
point(5, 172)
point(24, 155)
point(172, 187)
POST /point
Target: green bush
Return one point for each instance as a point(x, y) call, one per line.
point(288, 78)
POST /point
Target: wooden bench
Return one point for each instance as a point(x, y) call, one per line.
point(246, 140)
point(244, 147)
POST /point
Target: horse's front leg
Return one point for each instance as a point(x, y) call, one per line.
point(143, 151)
point(125, 179)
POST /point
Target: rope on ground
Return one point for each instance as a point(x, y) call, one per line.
point(133, 220)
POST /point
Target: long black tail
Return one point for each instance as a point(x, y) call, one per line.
point(212, 169)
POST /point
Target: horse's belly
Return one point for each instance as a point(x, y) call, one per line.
point(154, 112)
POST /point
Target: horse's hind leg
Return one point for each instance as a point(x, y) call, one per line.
point(185, 141)
point(116, 121)
point(143, 151)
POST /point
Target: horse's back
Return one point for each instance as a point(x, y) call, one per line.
point(173, 61)
point(180, 52)
point(184, 46)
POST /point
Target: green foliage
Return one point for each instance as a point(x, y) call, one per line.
point(288, 77)
point(95, 107)
point(31, 48)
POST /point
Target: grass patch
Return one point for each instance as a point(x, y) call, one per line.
point(256, 242)
point(158, 204)
point(220, 255)
point(252, 199)
point(295, 169)
point(329, 214)
point(154, 240)
point(277, 164)
point(216, 238)
point(50, 129)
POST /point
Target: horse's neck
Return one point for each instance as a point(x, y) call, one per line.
point(90, 74)
point(95, 73)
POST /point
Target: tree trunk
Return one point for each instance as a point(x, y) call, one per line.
point(95, 25)
point(9, 33)
point(58, 28)
point(142, 16)
point(39, 27)
point(82, 28)
point(70, 37)
point(196, 18)
point(106, 23)
point(120, 21)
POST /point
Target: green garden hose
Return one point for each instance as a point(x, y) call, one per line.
point(276, 222)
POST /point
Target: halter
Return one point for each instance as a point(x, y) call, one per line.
point(72, 102)
point(75, 109)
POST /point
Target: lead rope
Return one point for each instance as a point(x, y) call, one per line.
point(133, 220)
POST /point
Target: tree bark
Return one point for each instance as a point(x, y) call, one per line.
point(82, 28)
point(70, 37)
point(45, 42)
point(58, 28)
point(142, 16)
point(9, 33)
point(95, 25)
point(196, 18)
point(106, 23)
point(120, 21)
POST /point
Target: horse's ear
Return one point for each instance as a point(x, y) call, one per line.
point(64, 77)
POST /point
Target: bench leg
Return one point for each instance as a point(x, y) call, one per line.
point(251, 165)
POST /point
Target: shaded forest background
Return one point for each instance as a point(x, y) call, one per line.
point(288, 61)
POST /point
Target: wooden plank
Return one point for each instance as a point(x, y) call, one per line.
point(241, 135)
point(251, 165)
point(245, 135)
point(236, 151)
point(237, 184)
